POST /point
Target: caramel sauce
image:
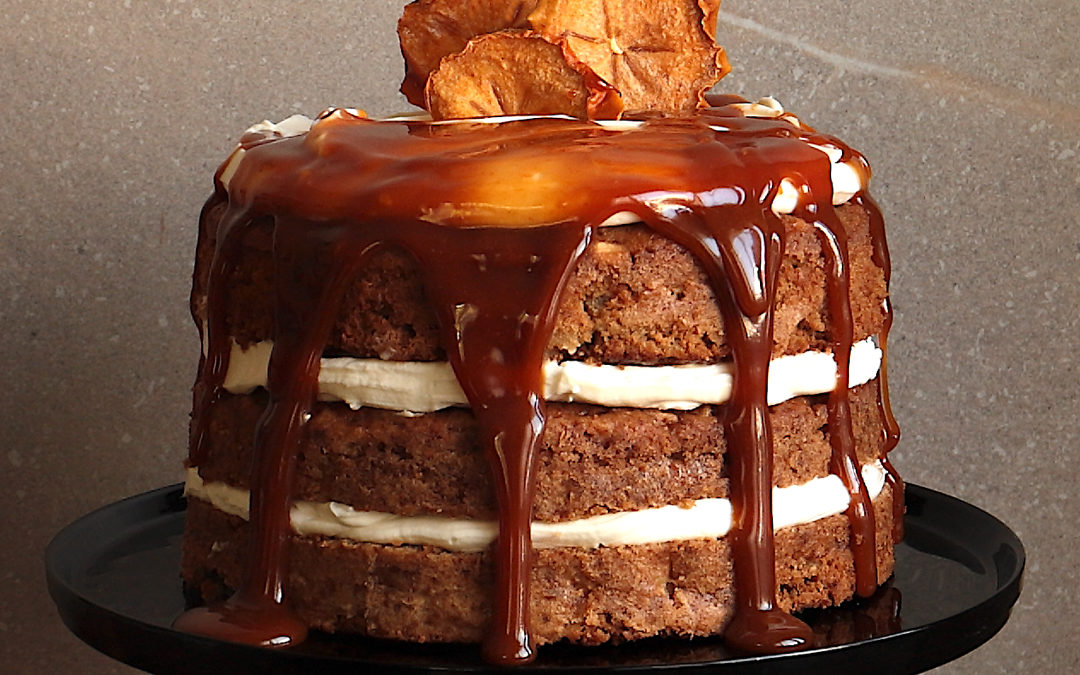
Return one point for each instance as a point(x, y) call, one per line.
point(844, 462)
point(889, 428)
point(496, 216)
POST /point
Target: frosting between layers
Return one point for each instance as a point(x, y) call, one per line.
point(848, 178)
point(704, 518)
point(419, 387)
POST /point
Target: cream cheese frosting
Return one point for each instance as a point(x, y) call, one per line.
point(702, 519)
point(418, 387)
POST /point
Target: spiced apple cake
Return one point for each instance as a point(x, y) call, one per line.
point(523, 379)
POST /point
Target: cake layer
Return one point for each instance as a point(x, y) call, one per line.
point(585, 595)
point(635, 297)
point(592, 460)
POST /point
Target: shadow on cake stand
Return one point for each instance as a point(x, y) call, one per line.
point(114, 576)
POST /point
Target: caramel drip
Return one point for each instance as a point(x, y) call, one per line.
point(844, 461)
point(495, 291)
point(497, 216)
point(214, 361)
point(742, 263)
point(497, 341)
point(889, 428)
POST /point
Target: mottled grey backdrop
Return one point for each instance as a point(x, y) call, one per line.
point(116, 113)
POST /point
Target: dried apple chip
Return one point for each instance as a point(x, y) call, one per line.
point(430, 30)
point(659, 54)
point(709, 11)
point(517, 72)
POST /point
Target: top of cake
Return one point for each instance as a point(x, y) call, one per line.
point(515, 171)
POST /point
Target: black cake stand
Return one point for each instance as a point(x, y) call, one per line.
point(114, 576)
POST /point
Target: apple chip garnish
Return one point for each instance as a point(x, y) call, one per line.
point(517, 72)
point(430, 30)
point(660, 54)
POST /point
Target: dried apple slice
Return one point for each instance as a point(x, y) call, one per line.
point(430, 30)
point(517, 72)
point(659, 54)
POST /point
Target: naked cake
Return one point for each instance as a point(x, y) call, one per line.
point(592, 365)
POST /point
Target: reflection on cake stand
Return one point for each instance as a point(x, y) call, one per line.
point(114, 575)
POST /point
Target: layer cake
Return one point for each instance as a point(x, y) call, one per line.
point(532, 378)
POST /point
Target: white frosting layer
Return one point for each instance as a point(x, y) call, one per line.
point(848, 178)
point(704, 519)
point(428, 386)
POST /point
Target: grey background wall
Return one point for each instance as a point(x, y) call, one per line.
point(116, 113)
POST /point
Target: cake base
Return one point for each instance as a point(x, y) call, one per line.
point(585, 596)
